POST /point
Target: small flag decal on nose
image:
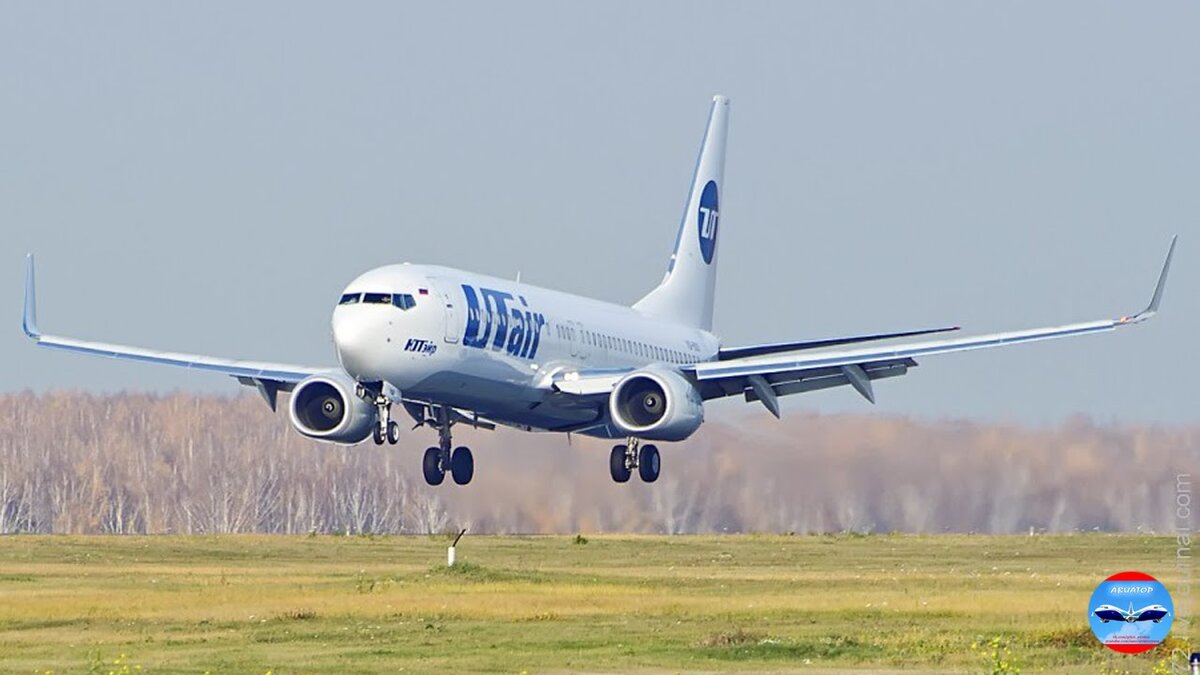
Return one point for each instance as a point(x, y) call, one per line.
point(423, 291)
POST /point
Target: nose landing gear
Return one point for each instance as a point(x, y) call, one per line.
point(438, 461)
point(387, 429)
point(625, 458)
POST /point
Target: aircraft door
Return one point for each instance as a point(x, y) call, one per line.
point(579, 342)
point(453, 312)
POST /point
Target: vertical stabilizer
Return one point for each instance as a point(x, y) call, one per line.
point(686, 294)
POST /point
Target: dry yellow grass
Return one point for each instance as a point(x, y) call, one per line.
point(546, 604)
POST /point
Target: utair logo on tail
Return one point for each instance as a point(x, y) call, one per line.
point(708, 217)
point(518, 331)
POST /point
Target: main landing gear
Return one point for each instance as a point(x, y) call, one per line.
point(437, 461)
point(625, 458)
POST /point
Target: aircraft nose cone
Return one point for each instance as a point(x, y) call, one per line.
point(357, 342)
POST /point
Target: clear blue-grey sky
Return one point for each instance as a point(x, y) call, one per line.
point(208, 177)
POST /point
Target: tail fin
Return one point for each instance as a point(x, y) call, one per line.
point(685, 295)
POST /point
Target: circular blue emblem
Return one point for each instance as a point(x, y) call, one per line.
point(1131, 612)
point(708, 218)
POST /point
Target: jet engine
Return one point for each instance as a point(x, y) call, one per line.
point(324, 407)
point(658, 405)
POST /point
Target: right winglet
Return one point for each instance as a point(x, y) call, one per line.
point(29, 320)
point(1152, 308)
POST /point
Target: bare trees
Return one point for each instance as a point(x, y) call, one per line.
point(135, 463)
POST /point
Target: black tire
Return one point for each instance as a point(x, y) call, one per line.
point(462, 465)
point(393, 432)
point(616, 465)
point(430, 465)
point(377, 435)
point(649, 463)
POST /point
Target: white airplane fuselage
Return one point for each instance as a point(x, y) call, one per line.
point(453, 347)
point(488, 345)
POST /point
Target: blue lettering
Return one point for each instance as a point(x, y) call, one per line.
point(471, 336)
point(516, 338)
point(496, 302)
point(517, 332)
point(529, 328)
point(539, 321)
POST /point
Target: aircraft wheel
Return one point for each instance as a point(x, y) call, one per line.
point(649, 463)
point(616, 465)
point(462, 465)
point(434, 474)
point(393, 432)
point(377, 435)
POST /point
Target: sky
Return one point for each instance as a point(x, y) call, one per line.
point(208, 177)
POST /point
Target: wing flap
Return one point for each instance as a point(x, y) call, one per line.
point(803, 381)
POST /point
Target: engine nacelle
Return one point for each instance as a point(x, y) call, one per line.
point(324, 407)
point(659, 405)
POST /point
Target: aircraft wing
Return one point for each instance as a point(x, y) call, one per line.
point(1150, 613)
point(767, 378)
point(268, 377)
point(730, 353)
point(1108, 613)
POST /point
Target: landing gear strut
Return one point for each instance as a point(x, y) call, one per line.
point(632, 455)
point(387, 429)
point(437, 461)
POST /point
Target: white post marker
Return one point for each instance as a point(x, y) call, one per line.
point(450, 557)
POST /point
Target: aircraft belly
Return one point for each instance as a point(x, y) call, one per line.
point(503, 400)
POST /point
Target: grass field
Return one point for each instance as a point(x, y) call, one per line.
point(326, 604)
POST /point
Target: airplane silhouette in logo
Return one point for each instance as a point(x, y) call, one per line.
point(1106, 613)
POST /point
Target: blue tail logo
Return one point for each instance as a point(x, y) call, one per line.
point(708, 220)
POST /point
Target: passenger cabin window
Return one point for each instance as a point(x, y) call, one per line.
point(349, 299)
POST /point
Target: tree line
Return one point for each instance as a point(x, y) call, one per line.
point(184, 463)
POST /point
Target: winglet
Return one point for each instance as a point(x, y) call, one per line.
point(1155, 301)
point(29, 320)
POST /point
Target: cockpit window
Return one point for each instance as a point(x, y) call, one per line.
point(403, 301)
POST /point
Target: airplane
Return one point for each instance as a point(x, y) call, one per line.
point(1155, 613)
point(452, 348)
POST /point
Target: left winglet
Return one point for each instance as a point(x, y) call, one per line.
point(1152, 308)
point(29, 320)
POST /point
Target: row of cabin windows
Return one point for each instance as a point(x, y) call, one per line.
point(569, 333)
point(612, 343)
point(404, 301)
